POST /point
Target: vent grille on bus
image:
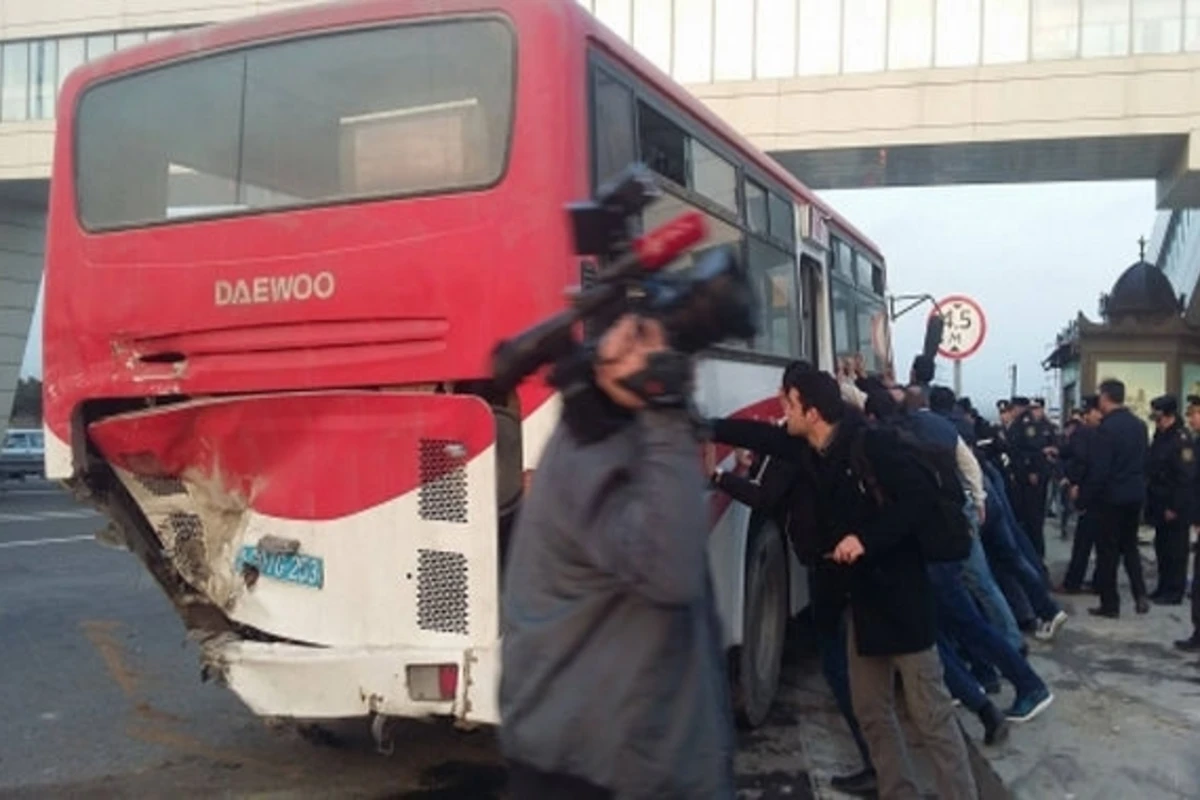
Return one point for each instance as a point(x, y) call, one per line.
point(442, 591)
point(161, 486)
point(443, 495)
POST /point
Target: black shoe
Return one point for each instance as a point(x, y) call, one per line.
point(995, 725)
point(1142, 606)
point(1189, 645)
point(862, 782)
point(1104, 612)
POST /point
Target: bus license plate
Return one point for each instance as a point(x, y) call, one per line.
point(291, 568)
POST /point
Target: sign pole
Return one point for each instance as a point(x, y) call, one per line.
point(958, 377)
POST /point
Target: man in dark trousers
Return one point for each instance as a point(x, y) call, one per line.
point(873, 534)
point(1030, 438)
point(1115, 489)
point(1192, 643)
point(1076, 459)
point(1170, 482)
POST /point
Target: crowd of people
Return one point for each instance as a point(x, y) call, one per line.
point(951, 629)
point(921, 525)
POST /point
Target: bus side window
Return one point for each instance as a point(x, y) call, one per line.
point(612, 127)
point(774, 274)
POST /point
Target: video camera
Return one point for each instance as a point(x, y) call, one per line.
point(698, 307)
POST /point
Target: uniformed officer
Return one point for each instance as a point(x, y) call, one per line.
point(1192, 643)
point(993, 442)
point(1031, 441)
point(1077, 458)
point(1170, 481)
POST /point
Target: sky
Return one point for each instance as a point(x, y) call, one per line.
point(1031, 255)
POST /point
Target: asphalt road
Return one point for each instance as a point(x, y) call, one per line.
point(101, 695)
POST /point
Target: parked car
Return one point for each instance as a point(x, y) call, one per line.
point(23, 454)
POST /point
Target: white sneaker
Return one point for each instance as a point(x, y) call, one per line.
point(1048, 628)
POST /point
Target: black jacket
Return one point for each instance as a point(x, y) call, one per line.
point(889, 592)
point(787, 487)
point(1075, 454)
point(1116, 462)
point(891, 598)
point(1170, 474)
point(1028, 438)
point(766, 485)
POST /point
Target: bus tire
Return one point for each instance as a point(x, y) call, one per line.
point(758, 661)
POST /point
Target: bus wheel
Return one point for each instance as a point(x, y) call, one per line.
point(759, 660)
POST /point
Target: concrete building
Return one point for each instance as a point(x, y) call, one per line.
point(845, 93)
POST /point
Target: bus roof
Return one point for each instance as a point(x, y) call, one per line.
point(317, 18)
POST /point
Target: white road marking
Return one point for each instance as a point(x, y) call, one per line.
point(40, 542)
point(44, 516)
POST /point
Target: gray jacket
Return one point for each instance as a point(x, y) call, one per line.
point(612, 662)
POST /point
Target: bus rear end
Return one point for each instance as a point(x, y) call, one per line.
point(280, 252)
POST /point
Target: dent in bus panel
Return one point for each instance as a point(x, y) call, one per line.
point(395, 111)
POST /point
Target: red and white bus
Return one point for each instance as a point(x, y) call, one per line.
point(280, 252)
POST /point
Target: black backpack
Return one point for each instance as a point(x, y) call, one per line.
point(945, 534)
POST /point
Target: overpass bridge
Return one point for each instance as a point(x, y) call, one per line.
point(844, 93)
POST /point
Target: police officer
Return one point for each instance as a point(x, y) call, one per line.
point(1192, 643)
point(1114, 488)
point(1031, 440)
point(1170, 477)
point(1076, 458)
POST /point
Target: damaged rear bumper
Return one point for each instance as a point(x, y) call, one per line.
point(300, 682)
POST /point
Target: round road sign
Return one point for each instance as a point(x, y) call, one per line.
point(965, 329)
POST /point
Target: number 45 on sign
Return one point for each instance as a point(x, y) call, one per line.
point(965, 327)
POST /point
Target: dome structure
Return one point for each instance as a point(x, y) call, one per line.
point(1142, 291)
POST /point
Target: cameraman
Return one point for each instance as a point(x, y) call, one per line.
point(614, 681)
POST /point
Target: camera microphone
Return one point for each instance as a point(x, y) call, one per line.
point(664, 244)
point(515, 358)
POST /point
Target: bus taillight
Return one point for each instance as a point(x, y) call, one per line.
point(433, 682)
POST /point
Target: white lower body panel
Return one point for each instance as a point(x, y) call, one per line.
point(298, 682)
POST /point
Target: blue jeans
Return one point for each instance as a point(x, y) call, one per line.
point(835, 667)
point(958, 618)
point(979, 581)
point(959, 680)
point(999, 541)
point(1024, 545)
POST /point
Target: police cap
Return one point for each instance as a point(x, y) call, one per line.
point(1165, 404)
point(1003, 405)
point(1091, 402)
point(1020, 401)
point(1193, 401)
point(1039, 402)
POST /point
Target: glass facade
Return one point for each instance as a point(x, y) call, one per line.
point(763, 39)
point(1175, 249)
point(32, 71)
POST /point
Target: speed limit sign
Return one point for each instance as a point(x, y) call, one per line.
point(965, 327)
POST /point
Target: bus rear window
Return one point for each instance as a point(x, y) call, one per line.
point(414, 109)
